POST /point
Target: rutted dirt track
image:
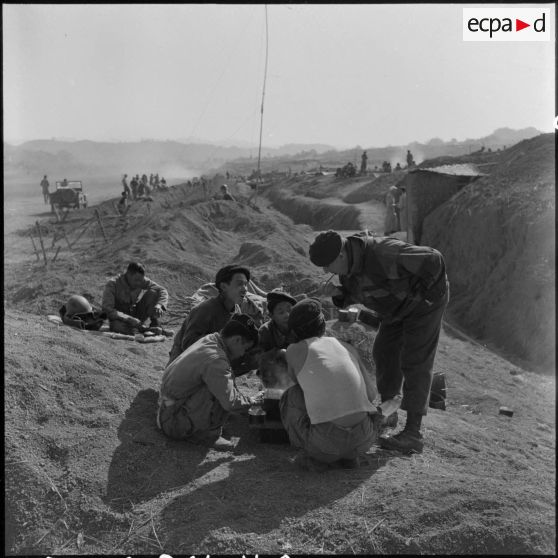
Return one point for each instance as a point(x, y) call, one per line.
point(87, 471)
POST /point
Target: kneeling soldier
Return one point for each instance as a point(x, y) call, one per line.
point(198, 389)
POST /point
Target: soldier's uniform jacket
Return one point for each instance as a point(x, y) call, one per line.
point(205, 364)
point(206, 317)
point(119, 299)
point(390, 276)
point(271, 338)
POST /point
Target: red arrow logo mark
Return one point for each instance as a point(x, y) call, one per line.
point(519, 25)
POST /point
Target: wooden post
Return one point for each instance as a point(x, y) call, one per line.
point(101, 224)
point(35, 247)
point(41, 241)
point(87, 225)
point(56, 255)
point(66, 238)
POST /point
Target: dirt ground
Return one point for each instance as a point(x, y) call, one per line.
point(87, 471)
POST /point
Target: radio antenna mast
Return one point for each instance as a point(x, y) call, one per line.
point(258, 176)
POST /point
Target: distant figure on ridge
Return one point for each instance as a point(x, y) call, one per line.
point(125, 185)
point(123, 203)
point(205, 189)
point(392, 221)
point(226, 194)
point(363, 162)
point(134, 184)
point(410, 161)
point(44, 186)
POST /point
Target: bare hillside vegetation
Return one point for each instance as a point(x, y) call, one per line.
point(88, 472)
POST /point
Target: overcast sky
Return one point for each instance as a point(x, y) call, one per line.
point(343, 75)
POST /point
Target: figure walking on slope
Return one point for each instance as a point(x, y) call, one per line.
point(392, 221)
point(44, 186)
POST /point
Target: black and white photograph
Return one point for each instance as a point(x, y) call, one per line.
point(279, 279)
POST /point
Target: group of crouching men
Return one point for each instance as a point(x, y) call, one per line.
point(328, 407)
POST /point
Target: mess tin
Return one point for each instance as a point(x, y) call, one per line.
point(352, 314)
point(256, 415)
point(343, 315)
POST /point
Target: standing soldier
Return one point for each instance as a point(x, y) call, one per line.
point(44, 186)
point(134, 185)
point(125, 185)
point(407, 286)
point(410, 160)
point(141, 185)
point(392, 221)
point(205, 189)
point(363, 161)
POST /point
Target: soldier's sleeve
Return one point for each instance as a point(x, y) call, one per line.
point(198, 324)
point(162, 293)
point(108, 304)
point(344, 299)
point(424, 262)
point(219, 379)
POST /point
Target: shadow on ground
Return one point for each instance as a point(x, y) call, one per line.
point(253, 495)
point(147, 463)
point(249, 490)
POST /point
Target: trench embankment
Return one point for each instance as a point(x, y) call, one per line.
point(319, 214)
point(497, 236)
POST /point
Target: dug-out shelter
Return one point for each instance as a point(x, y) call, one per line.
point(428, 188)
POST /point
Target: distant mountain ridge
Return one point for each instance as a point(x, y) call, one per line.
point(175, 159)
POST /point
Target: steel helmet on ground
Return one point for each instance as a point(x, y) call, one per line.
point(77, 305)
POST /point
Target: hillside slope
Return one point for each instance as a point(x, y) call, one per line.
point(498, 238)
point(87, 471)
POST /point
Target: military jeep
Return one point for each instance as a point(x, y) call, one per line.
point(68, 195)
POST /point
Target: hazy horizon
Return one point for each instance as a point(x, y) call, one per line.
point(339, 75)
point(242, 144)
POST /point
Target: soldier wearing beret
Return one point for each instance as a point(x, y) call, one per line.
point(211, 315)
point(407, 286)
point(275, 333)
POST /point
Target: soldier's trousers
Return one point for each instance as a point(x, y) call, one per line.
point(326, 442)
point(200, 415)
point(404, 355)
point(144, 309)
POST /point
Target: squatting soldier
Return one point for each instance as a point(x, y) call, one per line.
point(131, 298)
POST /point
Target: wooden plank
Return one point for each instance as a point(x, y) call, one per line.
point(66, 238)
point(56, 255)
point(87, 225)
point(101, 224)
point(35, 247)
point(41, 241)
